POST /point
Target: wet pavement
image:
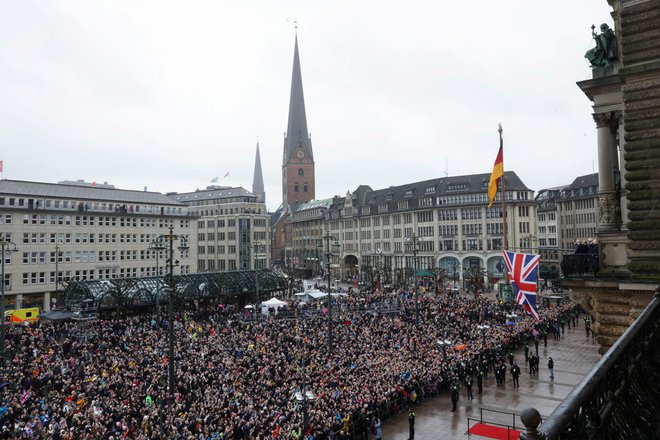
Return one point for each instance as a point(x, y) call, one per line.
point(574, 356)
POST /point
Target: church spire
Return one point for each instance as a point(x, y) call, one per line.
point(297, 136)
point(258, 179)
point(298, 181)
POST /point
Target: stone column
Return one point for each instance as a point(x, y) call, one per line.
point(607, 197)
point(623, 198)
point(19, 301)
point(46, 303)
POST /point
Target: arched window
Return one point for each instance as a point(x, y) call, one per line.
point(295, 188)
point(305, 187)
point(301, 172)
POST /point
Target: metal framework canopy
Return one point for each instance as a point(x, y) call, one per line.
point(127, 293)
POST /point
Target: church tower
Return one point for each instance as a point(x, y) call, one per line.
point(298, 179)
point(258, 179)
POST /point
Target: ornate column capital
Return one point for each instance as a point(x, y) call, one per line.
point(603, 119)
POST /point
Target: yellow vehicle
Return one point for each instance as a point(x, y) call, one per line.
point(20, 316)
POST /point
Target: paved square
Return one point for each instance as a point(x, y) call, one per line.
point(574, 355)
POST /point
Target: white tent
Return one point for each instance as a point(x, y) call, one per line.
point(312, 295)
point(274, 303)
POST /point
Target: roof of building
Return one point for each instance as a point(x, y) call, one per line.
point(312, 204)
point(70, 190)
point(468, 184)
point(211, 192)
point(584, 181)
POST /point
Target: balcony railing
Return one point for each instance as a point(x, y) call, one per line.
point(619, 398)
point(579, 265)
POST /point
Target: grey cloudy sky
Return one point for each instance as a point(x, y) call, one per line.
point(169, 94)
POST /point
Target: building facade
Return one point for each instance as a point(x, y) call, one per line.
point(78, 230)
point(232, 230)
point(456, 230)
point(548, 233)
point(306, 223)
point(577, 211)
point(623, 89)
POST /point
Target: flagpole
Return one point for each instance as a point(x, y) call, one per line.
point(504, 225)
point(505, 229)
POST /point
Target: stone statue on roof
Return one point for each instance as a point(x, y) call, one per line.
point(606, 51)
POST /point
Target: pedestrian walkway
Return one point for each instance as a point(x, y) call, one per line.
point(574, 355)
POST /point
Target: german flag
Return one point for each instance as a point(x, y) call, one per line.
point(498, 171)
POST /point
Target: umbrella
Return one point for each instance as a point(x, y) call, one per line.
point(460, 347)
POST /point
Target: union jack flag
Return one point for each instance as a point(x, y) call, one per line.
point(523, 273)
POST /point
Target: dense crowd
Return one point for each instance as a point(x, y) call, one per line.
point(107, 379)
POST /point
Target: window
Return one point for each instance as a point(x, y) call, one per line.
point(301, 172)
point(425, 217)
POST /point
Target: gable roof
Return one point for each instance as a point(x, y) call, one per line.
point(82, 192)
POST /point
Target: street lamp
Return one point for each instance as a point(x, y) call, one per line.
point(328, 256)
point(304, 395)
point(256, 272)
point(484, 328)
point(7, 246)
point(157, 247)
point(413, 243)
point(58, 253)
point(444, 343)
point(160, 241)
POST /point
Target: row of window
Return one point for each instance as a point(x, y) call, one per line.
point(467, 244)
point(31, 203)
point(84, 220)
point(35, 278)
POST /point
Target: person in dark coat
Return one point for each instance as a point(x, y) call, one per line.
point(468, 387)
point(515, 373)
point(411, 425)
point(454, 396)
point(551, 367)
point(480, 381)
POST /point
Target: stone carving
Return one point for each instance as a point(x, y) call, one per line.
point(607, 205)
point(603, 119)
point(606, 51)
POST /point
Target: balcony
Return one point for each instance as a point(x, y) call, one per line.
point(580, 266)
point(619, 398)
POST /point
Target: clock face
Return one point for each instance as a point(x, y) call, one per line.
point(300, 154)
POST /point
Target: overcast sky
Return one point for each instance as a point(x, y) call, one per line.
point(169, 94)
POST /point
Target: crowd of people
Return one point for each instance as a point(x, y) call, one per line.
point(236, 379)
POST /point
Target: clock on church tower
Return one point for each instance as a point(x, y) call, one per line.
point(300, 154)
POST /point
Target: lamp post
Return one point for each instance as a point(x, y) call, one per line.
point(157, 247)
point(170, 238)
point(304, 396)
point(256, 272)
point(7, 246)
point(484, 328)
point(413, 243)
point(444, 343)
point(57, 266)
point(328, 256)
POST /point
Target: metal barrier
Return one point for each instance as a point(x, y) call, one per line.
point(509, 428)
point(619, 398)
